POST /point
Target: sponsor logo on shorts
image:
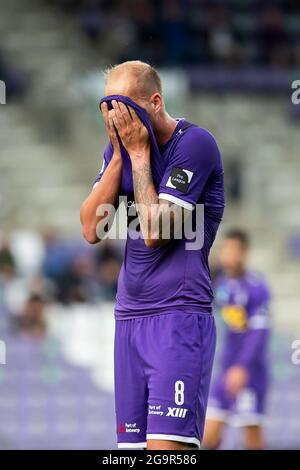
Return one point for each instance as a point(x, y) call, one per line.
point(177, 412)
point(155, 410)
point(121, 427)
point(128, 427)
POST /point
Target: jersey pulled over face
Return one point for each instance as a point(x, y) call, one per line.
point(173, 278)
point(244, 305)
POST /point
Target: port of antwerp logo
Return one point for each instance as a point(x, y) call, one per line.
point(128, 427)
point(121, 427)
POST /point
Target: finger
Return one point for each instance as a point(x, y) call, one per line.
point(112, 131)
point(125, 112)
point(133, 114)
point(119, 113)
point(104, 109)
point(110, 122)
point(114, 119)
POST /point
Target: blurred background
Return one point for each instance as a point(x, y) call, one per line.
point(227, 65)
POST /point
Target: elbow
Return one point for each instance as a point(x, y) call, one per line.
point(88, 229)
point(90, 235)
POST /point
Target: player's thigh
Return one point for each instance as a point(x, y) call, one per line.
point(254, 437)
point(183, 350)
point(213, 433)
point(130, 388)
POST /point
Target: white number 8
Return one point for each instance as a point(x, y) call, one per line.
point(179, 392)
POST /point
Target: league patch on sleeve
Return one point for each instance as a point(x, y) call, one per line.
point(180, 179)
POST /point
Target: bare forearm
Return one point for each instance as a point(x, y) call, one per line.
point(106, 192)
point(144, 189)
point(158, 218)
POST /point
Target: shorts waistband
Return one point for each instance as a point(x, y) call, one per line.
point(183, 311)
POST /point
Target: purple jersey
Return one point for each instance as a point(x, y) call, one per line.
point(244, 304)
point(168, 278)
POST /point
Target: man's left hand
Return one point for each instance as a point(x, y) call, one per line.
point(131, 130)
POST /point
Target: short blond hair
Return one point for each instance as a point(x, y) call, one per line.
point(147, 77)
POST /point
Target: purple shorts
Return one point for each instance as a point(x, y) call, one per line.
point(247, 409)
point(163, 367)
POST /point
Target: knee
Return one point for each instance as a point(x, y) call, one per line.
point(212, 437)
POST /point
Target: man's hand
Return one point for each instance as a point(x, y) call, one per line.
point(132, 132)
point(236, 379)
point(110, 129)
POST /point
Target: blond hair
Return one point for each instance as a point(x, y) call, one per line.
point(147, 78)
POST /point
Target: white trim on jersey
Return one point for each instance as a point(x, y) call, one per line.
point(96, 184)
point(132, 445)
point(174, 437)
point(177, 201)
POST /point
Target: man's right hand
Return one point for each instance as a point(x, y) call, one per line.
point(108, 189)
point(110, 129)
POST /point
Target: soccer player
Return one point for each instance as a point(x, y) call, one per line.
point(239, 390)
point(165, 330)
